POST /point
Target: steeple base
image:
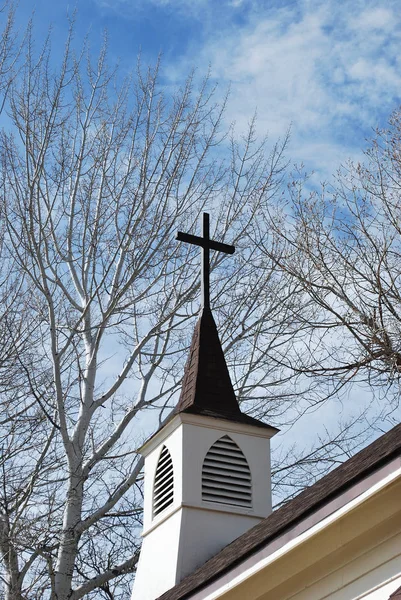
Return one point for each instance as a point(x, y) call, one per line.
point(181, 544)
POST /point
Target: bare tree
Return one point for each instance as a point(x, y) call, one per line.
point(341, 247)
point(10, 48)
point(97, 174)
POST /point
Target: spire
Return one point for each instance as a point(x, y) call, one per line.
point(207, 389)
point(207, 385)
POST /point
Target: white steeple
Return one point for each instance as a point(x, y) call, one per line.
point(207, 472)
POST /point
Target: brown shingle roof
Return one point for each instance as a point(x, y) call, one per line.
point(350, 472)
point(207, 388)
point(207, 383)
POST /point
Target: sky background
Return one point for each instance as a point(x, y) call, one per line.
point(329, 69)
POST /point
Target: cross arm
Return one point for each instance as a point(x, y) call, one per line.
point(198, 241)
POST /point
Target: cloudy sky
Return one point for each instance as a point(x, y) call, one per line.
point(328, 69)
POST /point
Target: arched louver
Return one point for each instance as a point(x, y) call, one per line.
point(163, 491)
point(226, 478)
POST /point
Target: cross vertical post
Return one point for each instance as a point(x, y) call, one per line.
point(206, 262)
point(206, 244)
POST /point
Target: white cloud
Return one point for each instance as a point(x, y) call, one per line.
point(330, 69)
point(373, 18)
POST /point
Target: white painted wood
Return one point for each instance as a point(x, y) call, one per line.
point(190, 530)
point(366, 577)
point(372, 573)
point(157, 567)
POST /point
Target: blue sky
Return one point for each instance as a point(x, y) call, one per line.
point(329, 69)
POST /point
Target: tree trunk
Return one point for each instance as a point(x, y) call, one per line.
point(69, 538)
point(12, 578)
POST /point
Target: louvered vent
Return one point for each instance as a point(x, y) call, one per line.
point(163, 493)
point(226, 478)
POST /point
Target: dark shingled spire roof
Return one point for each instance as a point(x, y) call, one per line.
point(207, 388)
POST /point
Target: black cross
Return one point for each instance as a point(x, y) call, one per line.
point(206, 244)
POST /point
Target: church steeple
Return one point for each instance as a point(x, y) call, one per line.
point(207, 471)
point(207, 385)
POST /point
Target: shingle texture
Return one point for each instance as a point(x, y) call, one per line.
point(353, 470)
point(207, 388)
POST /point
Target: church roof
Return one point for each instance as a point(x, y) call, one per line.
point(207, 389)
point(368, 460)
